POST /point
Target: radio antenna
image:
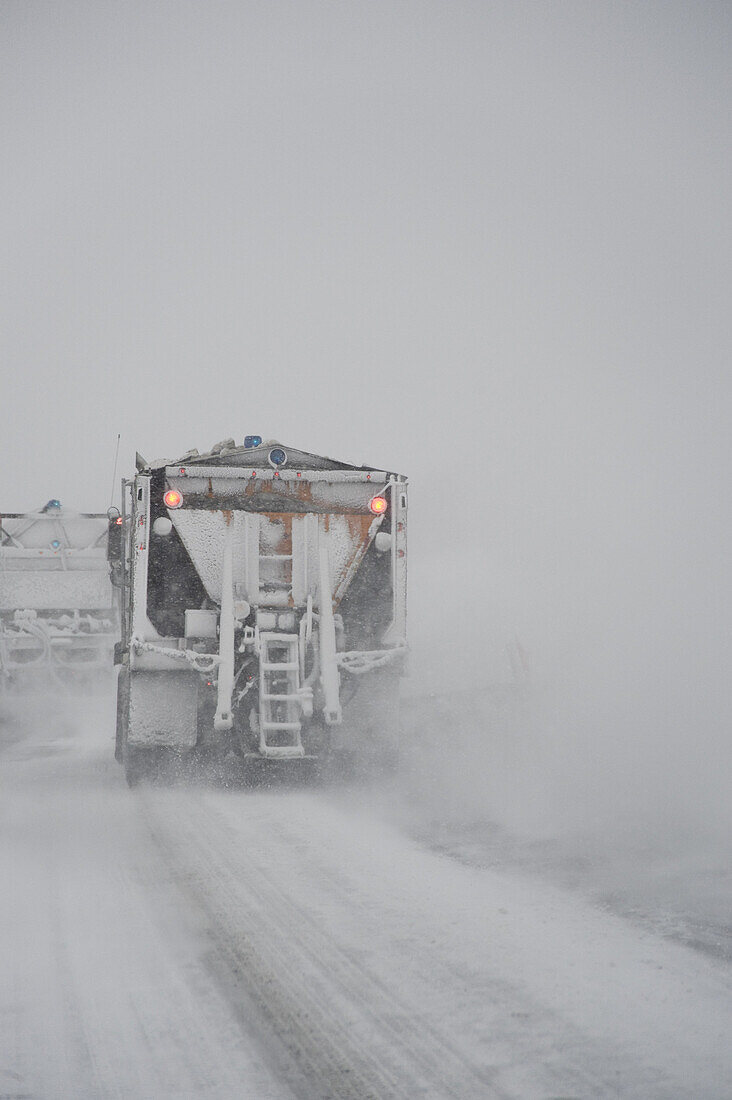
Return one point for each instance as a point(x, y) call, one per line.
point(114, 473)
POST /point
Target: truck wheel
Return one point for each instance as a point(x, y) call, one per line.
point(144, 764)
point(136, 765)
point(156, 764)
point(123, 713)
point(370, 737)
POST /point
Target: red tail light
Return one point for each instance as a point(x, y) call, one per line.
point(173, 499)
point(378, 505)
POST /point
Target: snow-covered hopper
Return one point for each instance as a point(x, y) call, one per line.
point(57, 605)
point(266, 609)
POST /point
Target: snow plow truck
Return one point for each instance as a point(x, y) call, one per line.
point(58, 613)
point(263, 610)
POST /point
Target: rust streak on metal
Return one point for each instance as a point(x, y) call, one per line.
point(303, 491)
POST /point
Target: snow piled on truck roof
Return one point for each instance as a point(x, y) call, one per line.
point(228, 453)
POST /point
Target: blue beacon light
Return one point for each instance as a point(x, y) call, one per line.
point(252, 440)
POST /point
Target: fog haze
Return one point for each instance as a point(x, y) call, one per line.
point(486, 245)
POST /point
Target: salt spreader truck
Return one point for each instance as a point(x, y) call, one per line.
point(58, 614)
point(263, 609)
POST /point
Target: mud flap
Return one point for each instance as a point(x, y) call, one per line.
point(163, 709)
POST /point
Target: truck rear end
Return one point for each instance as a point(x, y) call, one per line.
point(58, 614)
point(266, 609)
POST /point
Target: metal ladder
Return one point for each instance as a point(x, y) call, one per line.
point(279, 700)
point(275, 587)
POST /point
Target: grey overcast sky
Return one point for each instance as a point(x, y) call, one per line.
point(483, 243)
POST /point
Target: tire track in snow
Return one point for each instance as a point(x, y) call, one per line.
point(336, 1030)
point(102, 992)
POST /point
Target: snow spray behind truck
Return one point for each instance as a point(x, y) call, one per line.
point(58, 617)
point(264, 609)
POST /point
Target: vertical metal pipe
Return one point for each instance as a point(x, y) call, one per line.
point(329, 677)
point(222, 718)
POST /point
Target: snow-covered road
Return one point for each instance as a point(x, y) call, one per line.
point(199, 941)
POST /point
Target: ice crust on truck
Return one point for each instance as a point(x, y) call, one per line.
point(263, 607)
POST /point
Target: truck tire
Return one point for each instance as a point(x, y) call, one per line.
point(369, 739)
point(123, 713)
point(139, 762)
point(134, 766)
point(142, 764)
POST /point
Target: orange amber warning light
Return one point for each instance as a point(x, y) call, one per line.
point(173, 499)
point(378, 505)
